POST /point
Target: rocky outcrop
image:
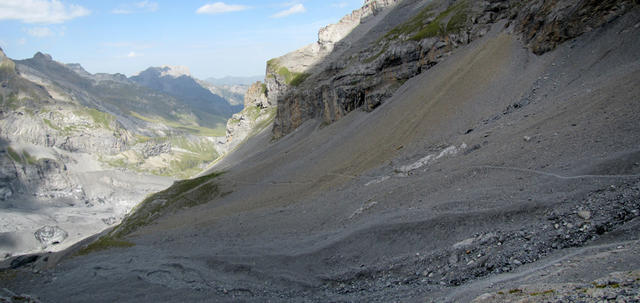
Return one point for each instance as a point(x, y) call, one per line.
point(331, 34)
point(50, 235)
point(293, 68)
point(257, 114)
point(363, 70)
point(545, 24)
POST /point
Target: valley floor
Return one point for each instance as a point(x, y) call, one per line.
point(494, 169)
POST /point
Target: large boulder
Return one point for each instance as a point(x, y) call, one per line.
point(50, 235)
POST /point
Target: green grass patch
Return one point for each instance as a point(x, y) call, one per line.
point(51, 125)
point(22, 158)
point(298, 78)
point(101, 118)
point(29, 159)
point(612, 285)
point(193, 129)
point(457, 15)
point(11, 102)
point(263, 88)
point(515, 291)
point(142, 139)
point(272, 64)
point(377, 55)
point(417, 28)
point(14, 155)
point(290, 78)
point(413, 25)
point(104, 243)
point(187, 161)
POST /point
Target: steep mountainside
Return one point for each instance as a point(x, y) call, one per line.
point(234, 93)
point(373, 61)
point(210, 109)
point(439, 151)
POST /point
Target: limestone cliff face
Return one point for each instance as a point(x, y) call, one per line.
point(362, 60)
point(293, 68)
point(257, 114)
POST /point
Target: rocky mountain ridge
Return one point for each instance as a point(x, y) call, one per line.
point(372, 69)
point(88, 146)
point(210, 109)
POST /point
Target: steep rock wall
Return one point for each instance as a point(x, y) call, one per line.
point(413, 37)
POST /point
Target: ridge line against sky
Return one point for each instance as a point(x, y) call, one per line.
point(211, 38)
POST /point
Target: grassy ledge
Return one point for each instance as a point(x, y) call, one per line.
point(451, 20)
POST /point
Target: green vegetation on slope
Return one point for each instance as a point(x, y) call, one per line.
point(10, 102)
point(188, 157)
point(449, 21)
point(193, 129)
point(270, 114)
point(290, 78)
point(100, 118)
point(22, 158)
point(182, 194)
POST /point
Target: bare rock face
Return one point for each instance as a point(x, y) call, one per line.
point(258, 112)
point(546, 24)
point(50, 235)
point(331, 34)
point(362, 70)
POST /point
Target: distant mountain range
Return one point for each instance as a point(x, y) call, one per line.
point(229, 80)
point(72, 141)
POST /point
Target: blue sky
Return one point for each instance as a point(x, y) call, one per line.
point(211, 38)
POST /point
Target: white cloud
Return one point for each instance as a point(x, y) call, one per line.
point(296, 9)
point(133, 54)
point(137, 7)
point(340, 4)
point(40, 32)
point(40, 11)
point(147, 5)
point(220, 7)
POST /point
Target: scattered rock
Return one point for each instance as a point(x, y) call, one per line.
point(463, 243)
point(50, 235)
point(584, 214)
point(110, 220)
point(453, 259)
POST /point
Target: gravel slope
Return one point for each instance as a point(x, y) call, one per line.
point(481, 173)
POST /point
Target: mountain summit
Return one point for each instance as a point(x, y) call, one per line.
point(167, 70)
